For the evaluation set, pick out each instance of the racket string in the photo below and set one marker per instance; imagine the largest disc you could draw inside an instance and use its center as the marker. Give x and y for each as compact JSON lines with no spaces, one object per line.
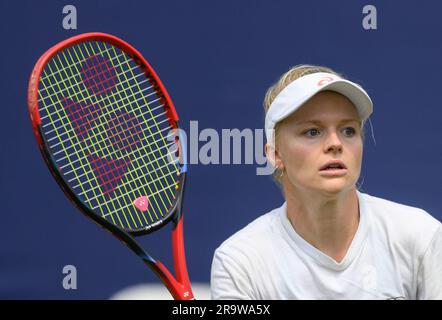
{"x":98,"y":77}
{"x":76,"y":186}
{"x":67,"y":67}
{"x":101,"y":116}
{"x":149,"y":152}
{"x":116,"y":134}
{"x":111,"y":173}
{"x":153,"y":194}
{"x":63,"y":80}
{"x":110,"y":154}
{"x":42,"y":83}
{"x":149,"y":129}
{"x":170,"y":174}
{"x":90,"y":139}
{"x":76,"y":95}
{"x":99,"y":127}
{"x":86,"y":90}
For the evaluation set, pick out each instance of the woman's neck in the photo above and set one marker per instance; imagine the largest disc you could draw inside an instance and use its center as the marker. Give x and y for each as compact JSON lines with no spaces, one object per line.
{"x":327,"y":222}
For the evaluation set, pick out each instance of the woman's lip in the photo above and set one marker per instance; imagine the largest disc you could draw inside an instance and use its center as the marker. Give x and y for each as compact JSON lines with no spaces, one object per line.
{"x":333,"y":172}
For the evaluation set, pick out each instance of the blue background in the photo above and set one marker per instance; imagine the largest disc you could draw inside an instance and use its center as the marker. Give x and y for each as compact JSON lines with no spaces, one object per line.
{"x":217,"y":58}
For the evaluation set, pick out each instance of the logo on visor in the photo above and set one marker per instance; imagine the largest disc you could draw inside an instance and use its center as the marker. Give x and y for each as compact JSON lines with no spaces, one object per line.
{"x":324,"y":81}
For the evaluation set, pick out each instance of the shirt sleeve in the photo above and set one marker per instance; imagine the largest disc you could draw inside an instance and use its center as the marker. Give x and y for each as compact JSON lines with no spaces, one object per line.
{"x":229,"y":279}
{"x":429,"y":285}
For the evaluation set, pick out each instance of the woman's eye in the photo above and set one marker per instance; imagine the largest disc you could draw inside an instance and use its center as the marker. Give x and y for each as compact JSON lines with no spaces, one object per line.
{"x":349,"y":131}
{"x":312,"y":132}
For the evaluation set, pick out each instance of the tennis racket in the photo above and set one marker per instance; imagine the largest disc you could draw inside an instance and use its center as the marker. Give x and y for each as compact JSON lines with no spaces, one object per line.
{"x":109,"y":133}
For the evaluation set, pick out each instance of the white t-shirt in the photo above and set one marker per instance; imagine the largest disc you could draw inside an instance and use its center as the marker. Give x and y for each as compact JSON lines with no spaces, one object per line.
{"x":396,"y":253}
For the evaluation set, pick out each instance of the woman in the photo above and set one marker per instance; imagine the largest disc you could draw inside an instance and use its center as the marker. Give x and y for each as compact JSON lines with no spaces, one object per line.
{"x":328,"y":240}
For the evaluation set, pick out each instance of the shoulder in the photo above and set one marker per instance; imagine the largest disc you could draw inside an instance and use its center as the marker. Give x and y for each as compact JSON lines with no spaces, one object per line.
{"x":253,"y":240}
{"x":241,"y":259}
{"x":402,"y":223}
{"x":401,"y":215}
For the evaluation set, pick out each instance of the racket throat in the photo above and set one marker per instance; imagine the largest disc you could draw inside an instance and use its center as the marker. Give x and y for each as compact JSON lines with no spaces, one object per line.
{"x":179,"y":286}
{"x":178,"y":290}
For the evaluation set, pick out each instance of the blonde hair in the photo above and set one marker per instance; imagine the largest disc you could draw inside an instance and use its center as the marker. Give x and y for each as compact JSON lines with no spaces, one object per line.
{"x":288,"y":77}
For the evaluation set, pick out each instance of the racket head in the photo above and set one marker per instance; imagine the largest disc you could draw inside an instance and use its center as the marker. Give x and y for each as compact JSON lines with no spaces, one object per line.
{"x":109,"y":132}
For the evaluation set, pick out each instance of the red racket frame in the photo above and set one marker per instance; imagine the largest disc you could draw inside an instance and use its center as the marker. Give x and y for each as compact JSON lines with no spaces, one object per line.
{"x":179,"y":287}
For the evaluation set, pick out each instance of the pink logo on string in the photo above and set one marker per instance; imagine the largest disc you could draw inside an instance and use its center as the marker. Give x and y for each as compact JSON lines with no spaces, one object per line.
{"x":141,"y":203}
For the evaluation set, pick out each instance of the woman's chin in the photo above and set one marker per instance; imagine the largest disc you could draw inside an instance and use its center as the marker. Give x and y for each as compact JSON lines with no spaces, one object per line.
{"x":335,"y":187}
{"x":327,"y":187}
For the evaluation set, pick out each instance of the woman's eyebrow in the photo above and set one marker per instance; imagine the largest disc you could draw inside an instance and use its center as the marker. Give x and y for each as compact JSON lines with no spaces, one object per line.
{"x":318,"y":122}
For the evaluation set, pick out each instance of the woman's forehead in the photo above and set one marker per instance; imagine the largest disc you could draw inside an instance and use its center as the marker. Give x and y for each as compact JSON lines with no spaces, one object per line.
{"x":326,"y":106}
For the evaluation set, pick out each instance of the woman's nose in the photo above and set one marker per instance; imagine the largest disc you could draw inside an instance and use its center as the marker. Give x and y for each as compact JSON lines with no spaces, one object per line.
{"x":333,"y":143}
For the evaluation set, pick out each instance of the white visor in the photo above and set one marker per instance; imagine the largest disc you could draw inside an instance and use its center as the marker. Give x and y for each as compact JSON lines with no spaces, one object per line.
{"x":292,"y":97}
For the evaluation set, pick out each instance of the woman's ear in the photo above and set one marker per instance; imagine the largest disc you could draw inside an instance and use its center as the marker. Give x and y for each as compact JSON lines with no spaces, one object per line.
{"x":273,"y":156}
